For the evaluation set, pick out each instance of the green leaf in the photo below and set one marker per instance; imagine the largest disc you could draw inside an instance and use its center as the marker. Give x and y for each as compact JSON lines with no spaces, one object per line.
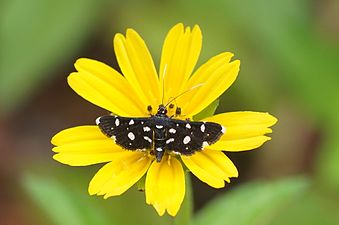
{"x":37,"y":36}
{"x":253,"y":203}
{"x":208,"y":111}
{"x":62,"y":205}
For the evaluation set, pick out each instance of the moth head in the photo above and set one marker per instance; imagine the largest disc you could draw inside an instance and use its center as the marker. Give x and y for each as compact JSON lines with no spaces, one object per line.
{"x":162,"y":110}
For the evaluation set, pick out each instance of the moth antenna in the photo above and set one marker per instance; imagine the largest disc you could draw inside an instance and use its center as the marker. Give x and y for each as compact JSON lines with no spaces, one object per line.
{"x":191,"y":89}
{"x":163,"y":85}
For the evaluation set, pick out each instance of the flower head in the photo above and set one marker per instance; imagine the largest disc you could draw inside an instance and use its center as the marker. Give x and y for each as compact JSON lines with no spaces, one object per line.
{"x":140,"y":91}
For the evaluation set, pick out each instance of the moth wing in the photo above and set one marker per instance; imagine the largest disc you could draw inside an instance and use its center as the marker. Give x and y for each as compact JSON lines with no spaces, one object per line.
{"x":129,"y":133}
{"x":186,"y":137}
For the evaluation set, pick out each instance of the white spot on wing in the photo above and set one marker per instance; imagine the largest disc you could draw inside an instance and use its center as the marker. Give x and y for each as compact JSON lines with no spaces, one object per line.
{"x":113,"y":137}
{"x":131,"y":136}
{"x":131,"y":122}
{"x":204,"y":144}
{"x":117,"y":122}
{"x":159,"y":149}
{"x":172,"y":131}
{"x":148,"y":139}
{"x":223,"y":129}
{"x":97,"y":121}
{"x":159,"y":126}
{"x":186,"y":140}
{"x":169,"y":140}
{"x":188,"y":126}
{"x":202,"y":128}
{"x":146,"y":129}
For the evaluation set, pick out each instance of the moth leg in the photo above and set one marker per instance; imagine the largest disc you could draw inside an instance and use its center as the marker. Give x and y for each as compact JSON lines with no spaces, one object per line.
{"x":170,"y":109}
{"x":177,"y":111}
{"x":149,"y":109}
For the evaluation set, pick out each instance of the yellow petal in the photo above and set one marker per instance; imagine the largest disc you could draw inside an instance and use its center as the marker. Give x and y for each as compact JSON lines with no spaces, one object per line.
{"x":212,"y":79}
{"x":137,"y":66}
{"x":243,"y":118}
{"x":83,"y":145}
{"x":165,"y":185}
{"x":83,"y":159}
{"x":102,"y":94}
{"x":240,"y":144}
{"x":75,"y":134}
{"x":180,"y":53}
{"x":211,"y":167}
{"x":111,"y":77}
{"x":89,"y":146}
{"x":119,"y":175}
{"x":244,"y":130}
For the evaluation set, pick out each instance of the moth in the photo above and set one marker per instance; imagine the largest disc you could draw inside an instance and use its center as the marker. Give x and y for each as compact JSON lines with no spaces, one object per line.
{"x":160,"y":133}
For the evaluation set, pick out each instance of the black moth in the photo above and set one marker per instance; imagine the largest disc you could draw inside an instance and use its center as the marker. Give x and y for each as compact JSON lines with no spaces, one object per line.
{"x":159,"y":133}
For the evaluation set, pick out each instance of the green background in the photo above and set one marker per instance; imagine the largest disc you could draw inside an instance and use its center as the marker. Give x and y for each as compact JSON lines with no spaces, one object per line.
{"x":289,"y":52}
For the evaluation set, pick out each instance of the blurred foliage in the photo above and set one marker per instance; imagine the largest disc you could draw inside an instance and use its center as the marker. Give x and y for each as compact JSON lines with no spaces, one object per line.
{"x":288,"y":201}
{"x":61,"y":204}
{"x":64,"y":198}
{"x":254,"y":203}
{"x":284,"y":58}
{"x":36,"y":36}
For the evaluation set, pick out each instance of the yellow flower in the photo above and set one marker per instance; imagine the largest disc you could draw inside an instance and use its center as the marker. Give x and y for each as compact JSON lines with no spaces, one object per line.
{"x":130,"y":95}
